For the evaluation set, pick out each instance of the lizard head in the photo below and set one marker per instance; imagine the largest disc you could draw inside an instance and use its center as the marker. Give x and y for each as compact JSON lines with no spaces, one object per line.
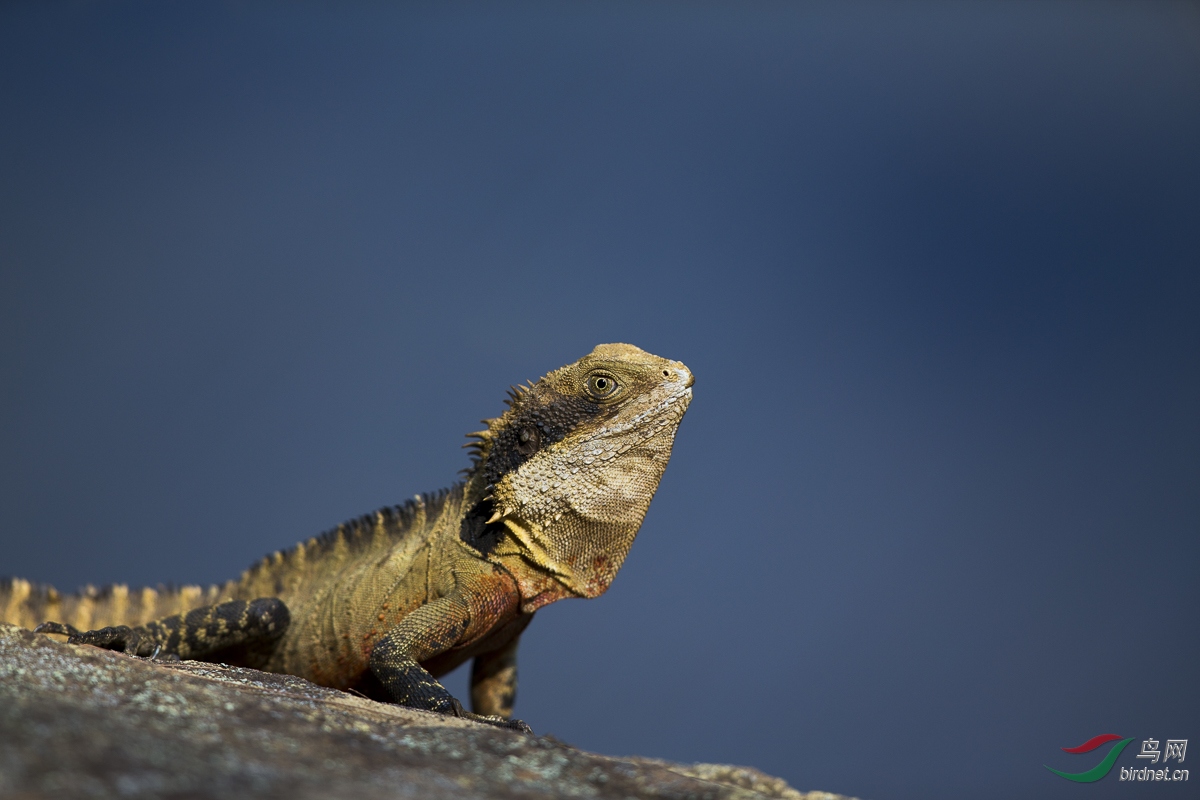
{"x":570,"y":468}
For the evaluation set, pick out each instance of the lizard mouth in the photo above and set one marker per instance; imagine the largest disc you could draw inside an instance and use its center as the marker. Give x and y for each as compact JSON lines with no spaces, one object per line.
{"x":653,"y":420}
{"x":663,"y":417}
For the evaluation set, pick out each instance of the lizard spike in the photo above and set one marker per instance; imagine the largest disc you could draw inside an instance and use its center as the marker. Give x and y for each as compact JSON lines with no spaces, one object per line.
{"x":494,"y":518}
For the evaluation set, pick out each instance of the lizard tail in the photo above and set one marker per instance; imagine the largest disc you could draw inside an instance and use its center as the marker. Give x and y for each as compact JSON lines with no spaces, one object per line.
{"x":28,"y":604}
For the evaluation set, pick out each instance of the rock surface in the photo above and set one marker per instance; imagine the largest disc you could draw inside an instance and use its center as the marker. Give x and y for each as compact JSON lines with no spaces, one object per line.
{"x":76,"y":721}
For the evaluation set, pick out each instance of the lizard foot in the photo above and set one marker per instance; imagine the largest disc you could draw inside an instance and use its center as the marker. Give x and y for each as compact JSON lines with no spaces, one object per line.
{"x":490,"y":719}
{"x":120,"y":637}
{"x":500,"y":722}
{"x":56,"y":627}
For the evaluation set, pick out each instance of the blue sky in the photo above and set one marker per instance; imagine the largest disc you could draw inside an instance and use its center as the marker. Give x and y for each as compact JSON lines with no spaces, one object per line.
{"x":933,"y":512}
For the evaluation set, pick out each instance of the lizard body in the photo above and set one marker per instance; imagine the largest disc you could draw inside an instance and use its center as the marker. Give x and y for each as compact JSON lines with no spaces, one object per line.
{"x":384,"y":604}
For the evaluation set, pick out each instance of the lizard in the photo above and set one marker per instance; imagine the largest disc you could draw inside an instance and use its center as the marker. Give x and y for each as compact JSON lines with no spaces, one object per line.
{"x":385,"y":604}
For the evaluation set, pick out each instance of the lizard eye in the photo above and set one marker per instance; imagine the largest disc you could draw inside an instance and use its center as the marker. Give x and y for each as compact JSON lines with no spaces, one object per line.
{"x":602,"y":386}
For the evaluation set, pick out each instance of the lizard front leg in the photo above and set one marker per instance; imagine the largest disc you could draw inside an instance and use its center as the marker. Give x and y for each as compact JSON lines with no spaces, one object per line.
{"x":202,"y":632}
{"x":455,"y":620}
{"x":429,"y":631}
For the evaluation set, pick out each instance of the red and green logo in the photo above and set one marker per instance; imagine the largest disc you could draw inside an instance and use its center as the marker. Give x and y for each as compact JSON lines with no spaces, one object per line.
{"x":1100,"y":770}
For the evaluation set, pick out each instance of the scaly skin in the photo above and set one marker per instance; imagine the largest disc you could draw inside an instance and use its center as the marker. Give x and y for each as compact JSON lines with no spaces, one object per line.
{"x":386,"y":603}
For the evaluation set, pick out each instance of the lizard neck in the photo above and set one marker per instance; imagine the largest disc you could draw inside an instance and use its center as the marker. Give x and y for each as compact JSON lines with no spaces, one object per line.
{"x":513,"y":544}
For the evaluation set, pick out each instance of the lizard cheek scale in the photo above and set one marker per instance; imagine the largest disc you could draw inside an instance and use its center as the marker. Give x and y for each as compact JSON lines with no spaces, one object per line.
{"x":384,"y":604}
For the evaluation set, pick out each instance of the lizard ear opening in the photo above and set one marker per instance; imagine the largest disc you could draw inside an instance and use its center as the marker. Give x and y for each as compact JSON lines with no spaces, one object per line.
{"x":528,"y":440}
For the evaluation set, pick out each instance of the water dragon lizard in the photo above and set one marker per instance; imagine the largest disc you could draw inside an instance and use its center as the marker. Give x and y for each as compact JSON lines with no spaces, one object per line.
{"x":384,"y":604}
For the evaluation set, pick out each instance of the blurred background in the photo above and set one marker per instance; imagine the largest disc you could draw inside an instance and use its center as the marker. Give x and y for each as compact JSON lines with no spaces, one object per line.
{"x":934,"y":511}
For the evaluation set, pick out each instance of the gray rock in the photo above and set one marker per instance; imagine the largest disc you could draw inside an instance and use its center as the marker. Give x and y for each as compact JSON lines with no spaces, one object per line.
{"x":77,"y":721}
